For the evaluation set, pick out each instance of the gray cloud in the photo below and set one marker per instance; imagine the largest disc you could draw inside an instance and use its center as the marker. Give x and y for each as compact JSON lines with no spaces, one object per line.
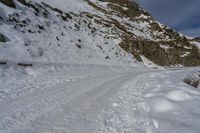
{"x":183,"y":15}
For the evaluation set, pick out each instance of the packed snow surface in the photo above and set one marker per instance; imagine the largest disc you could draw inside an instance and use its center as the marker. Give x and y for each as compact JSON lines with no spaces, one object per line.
{"x":58,"y":98}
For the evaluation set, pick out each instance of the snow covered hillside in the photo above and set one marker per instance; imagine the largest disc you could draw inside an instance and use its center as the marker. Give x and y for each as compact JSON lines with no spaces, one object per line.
{"x":88,"y":31}
{"x":57,"y":31}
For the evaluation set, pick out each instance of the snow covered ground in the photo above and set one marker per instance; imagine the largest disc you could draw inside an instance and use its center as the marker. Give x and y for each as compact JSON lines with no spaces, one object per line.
{"x":60,"y":98}
{"x":84,"y":91}
{"x":156,"y":102}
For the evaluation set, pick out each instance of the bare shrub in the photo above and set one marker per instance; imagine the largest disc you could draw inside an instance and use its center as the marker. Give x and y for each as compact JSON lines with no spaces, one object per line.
{"x":192,"y":79}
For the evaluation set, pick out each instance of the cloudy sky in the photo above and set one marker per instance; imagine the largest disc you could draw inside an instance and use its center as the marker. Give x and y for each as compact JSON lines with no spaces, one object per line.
{"x":182,"y":15}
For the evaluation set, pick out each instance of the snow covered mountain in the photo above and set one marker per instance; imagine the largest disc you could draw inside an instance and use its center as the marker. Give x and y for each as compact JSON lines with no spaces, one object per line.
{"x":85,"y":77}
{"x":89,"y":31}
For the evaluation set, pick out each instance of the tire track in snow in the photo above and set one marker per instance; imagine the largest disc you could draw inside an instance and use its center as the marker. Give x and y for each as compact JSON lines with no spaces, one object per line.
{"x":80,"y":114}
{"x":28,"y":108}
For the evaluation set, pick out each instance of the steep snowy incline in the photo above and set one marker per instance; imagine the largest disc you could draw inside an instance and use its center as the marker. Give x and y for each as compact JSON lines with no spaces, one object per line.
{"x":58,"y":31}
{"x":89,"y":32}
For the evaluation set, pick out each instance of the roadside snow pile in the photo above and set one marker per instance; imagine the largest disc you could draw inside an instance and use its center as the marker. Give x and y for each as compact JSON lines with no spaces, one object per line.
{"x":154,"y":103}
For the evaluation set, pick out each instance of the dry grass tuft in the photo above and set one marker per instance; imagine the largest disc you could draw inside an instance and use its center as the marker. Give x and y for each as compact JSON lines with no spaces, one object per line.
{"x":192,"y":80}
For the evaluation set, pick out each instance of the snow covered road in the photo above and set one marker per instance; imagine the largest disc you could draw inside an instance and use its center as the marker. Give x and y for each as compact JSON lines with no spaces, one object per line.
{"x":74,"y":103}
{"x":107,"y":100}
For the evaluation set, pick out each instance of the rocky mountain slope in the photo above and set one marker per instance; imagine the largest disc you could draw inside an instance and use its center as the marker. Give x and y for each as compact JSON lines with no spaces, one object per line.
{"x":89,"y":31}
{"x":197,"y":39}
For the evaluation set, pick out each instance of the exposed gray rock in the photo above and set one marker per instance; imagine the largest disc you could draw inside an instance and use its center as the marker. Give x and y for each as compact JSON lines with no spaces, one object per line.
{"x":3,"y":38}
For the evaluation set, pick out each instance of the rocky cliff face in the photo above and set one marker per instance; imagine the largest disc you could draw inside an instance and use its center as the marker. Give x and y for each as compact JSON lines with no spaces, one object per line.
{"x":90,"y":31}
